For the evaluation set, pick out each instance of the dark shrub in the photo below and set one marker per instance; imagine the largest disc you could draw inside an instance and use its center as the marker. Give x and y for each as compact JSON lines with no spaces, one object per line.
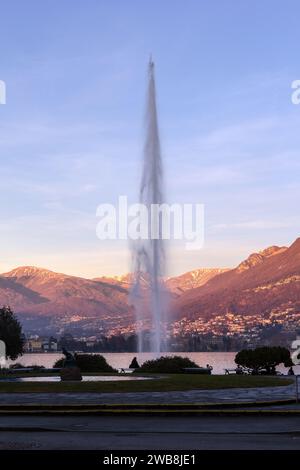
{"x":11,"y":333}
{"x":17,"y":365}
{"x":59,"y":363}
{"x":134,"y":364}
{"x":167,"y":364}
{"x":263,"y":359}
{"x":89,"y":363}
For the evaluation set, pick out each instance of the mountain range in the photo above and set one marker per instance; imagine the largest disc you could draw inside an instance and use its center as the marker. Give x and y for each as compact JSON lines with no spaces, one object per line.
{"x":265,"y":282}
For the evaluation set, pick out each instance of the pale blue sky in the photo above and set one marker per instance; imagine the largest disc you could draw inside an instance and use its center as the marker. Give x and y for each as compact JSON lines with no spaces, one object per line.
{"x":71,"y":132}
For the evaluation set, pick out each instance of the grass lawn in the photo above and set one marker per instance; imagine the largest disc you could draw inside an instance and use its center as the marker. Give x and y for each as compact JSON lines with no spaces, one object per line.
{"x":161,"y":383}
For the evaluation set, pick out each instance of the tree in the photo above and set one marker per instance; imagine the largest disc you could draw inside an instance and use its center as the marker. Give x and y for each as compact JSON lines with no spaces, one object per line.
{"x":264,"y":358}
{"x":88,"y":363}
{"x":11,"y":333}
{"x":167,"y":364}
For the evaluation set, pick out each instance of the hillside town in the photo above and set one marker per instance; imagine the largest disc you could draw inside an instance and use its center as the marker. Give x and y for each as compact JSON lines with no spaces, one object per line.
{"x":227,"y":332}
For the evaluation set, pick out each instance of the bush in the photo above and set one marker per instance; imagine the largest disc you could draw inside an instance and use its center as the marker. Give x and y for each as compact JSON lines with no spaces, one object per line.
{"x":263,"y":359}
{"x":89,"y":363}
{"x":59,"y":363}
{"x":17,"y":365}
{"x":11,"y":333}
{"x":167,"y":364}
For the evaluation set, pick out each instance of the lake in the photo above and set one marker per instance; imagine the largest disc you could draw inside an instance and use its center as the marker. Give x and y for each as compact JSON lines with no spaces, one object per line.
{"x":219,"y":360}
{"x":85,"y":378}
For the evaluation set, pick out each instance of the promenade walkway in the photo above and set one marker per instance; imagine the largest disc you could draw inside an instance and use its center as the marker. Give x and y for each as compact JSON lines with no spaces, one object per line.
{"x":237,"y":395}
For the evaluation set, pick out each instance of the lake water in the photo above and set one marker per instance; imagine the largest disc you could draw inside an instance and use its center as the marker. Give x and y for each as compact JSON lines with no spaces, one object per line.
{"x":219,"y":360}
{"x":85,"y":378}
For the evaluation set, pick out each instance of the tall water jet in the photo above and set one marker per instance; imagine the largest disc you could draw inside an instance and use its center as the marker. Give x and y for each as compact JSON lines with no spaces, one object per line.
{"x":149,"y":254}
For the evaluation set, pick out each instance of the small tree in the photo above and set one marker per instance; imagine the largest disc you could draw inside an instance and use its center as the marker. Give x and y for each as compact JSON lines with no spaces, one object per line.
{"x":88,"y":363}
{"x":266,"y":358}
{"x":167,"y":364}
{"x":11,"y":333}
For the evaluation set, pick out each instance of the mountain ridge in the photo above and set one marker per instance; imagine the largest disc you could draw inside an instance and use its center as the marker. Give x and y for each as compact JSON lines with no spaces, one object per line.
{"x":243,"y":289}
{"x":264,"y":281}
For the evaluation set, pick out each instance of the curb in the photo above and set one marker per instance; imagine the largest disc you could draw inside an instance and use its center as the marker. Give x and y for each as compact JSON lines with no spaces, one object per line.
{"x":151,"y":409}
{"x":154,"y":413}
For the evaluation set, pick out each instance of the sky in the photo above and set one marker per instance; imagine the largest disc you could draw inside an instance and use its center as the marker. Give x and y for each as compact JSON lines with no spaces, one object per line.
{"x":71,"y":131}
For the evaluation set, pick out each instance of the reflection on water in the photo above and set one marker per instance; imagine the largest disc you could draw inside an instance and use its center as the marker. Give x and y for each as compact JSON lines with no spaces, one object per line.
{"x":219,"y":360}
{"x":85,"y":378}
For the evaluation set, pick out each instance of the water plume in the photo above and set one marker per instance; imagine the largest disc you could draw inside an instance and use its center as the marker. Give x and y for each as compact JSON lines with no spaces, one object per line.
{"x":149,"y":255}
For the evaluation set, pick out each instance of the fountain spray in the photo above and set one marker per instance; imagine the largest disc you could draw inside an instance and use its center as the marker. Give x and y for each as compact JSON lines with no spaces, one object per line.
{"x":149,"y":255}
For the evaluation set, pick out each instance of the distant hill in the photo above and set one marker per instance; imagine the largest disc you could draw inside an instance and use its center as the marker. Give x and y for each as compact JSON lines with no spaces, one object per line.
{"x":264,"y":281}
{"x":192,"y":279}
{"x":44,"y":292}
{"x":267,"y":280}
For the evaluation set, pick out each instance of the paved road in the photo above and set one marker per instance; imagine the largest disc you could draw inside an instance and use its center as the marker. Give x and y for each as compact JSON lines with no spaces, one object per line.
{"x":109,"y":433}
{"x":239,"y":395}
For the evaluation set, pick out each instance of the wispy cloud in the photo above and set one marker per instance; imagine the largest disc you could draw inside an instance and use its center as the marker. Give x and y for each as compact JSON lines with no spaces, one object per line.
{"x":258,"y":224}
